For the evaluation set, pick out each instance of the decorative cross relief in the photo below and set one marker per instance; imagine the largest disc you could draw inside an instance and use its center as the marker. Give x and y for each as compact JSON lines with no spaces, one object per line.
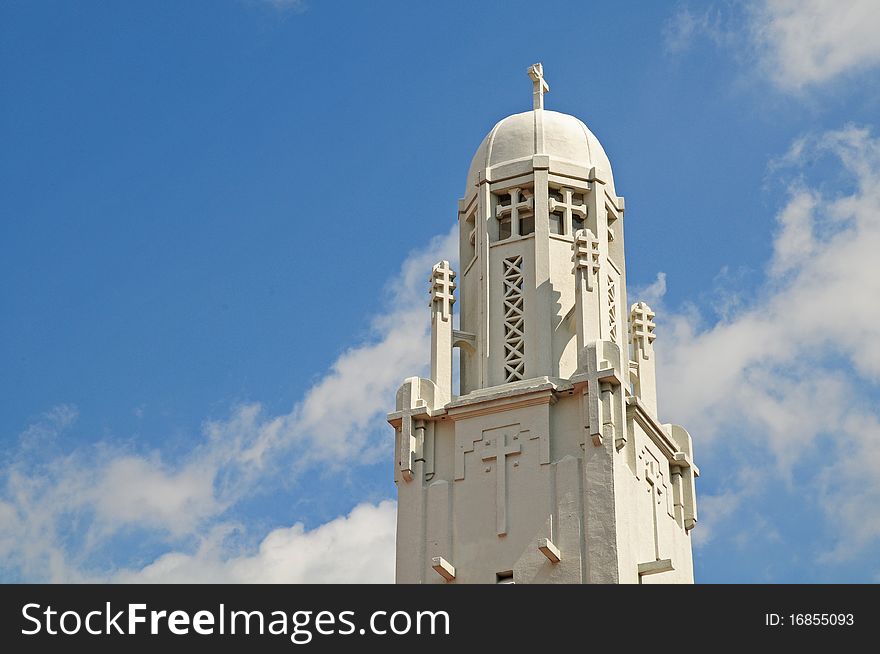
{"x":540,"y":86}
{"x":412,"y":435}
{"x":650,"y":467}
{"x":587,"y":264}
{"x":498,"y":449}
{"x":600,"y":411}
{"x":568,"y":208}
{"x":586,"y":255}
{"x":442,"y":286}
{"x":465,"y":442}
{"x":414,"y":401}
{"x":599,"y":396}
{"x":642,"y":325}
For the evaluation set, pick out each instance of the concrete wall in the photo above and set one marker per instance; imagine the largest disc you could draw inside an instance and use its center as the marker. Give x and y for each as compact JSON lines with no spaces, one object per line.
{"x":454,"y":512}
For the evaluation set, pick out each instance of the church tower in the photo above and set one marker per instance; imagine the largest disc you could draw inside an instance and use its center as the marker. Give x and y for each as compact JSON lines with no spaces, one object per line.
{"x":550,"y":464}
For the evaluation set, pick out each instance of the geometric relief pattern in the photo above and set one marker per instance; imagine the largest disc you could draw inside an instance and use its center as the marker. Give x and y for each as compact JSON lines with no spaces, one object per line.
{"x":641,"y":320}
{"x":653,"y":472}
{"x":656,"y":487}
{"x":514,"y":336}
{"x":612,"y":309}
{"x":586,"y":255}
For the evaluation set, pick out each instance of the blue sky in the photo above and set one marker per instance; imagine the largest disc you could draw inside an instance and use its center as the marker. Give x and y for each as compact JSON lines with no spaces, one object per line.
{"x":218,"y":219}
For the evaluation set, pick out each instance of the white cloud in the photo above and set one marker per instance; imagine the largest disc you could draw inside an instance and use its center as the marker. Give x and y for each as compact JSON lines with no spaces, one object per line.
{"x":135,"y":490}
{"x":785,"y":373}
{"x":357,"y":548}
{"x":55,"y":513}
{"x":340,"y":415}
{"x":796,"y":241}
{"x":652,"y":294}
{"x":799,"y":367}
{"x":808,"y":42}
{"x":58,"y":507}
{"x":42,"y":433}
{"x":685,"y":26}
{"x":796,"y":44}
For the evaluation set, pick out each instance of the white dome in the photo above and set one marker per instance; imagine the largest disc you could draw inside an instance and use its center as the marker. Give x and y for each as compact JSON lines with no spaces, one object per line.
{"x":565,"y":137}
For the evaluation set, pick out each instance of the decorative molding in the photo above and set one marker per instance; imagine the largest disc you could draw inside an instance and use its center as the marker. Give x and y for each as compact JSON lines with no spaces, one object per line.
{"x":655,"y":567}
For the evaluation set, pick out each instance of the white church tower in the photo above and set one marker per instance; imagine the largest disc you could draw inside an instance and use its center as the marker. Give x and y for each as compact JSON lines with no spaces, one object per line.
{"x":550,"y":464}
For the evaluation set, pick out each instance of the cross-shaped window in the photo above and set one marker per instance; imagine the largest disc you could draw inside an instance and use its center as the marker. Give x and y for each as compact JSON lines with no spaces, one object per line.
{"x":515,"y":213}
{"x":567,"y":211}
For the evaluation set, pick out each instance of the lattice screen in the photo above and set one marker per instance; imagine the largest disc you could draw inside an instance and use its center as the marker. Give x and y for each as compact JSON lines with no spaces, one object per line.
{"x":514,"y":337}
{"x":612,"y":309}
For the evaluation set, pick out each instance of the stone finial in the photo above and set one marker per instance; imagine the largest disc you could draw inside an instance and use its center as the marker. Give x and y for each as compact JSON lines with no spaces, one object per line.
{"x":642,"y":329}
{"x":587,"y":263}
{"x":540,"y":86}
{"x":641,"y":321}
{"x":442,"y":286}
{"x":442,"y":298}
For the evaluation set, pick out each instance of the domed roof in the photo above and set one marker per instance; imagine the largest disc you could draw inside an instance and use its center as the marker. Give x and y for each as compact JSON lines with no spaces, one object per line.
{"x":565,"y":137}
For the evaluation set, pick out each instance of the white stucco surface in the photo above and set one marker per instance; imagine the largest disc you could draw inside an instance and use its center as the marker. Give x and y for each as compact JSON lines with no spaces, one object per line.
{"x":548,"y":463}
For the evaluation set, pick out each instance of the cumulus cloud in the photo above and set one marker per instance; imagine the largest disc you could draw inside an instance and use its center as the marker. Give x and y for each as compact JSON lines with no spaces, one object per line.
{"x":57,"y":509}
{"x":133,"y":489}
{"x":343,"y":411}
{"x":794,"y":374}
{"x":357,"y":548}
{"x":652,"y":293}
{"x":58,"y":506}
{"x":785,"y":373}
{"x":807,"y":42}
{"x":796,"y":44}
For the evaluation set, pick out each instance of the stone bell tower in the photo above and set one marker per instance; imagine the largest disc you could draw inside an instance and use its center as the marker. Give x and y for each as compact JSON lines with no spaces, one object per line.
{"x":550,"y":464}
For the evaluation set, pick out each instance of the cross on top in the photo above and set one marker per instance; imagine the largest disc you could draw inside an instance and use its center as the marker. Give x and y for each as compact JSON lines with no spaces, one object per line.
{"x":641,"y":320}
{"x":442,"y":285}
{"x":540,"y":86}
